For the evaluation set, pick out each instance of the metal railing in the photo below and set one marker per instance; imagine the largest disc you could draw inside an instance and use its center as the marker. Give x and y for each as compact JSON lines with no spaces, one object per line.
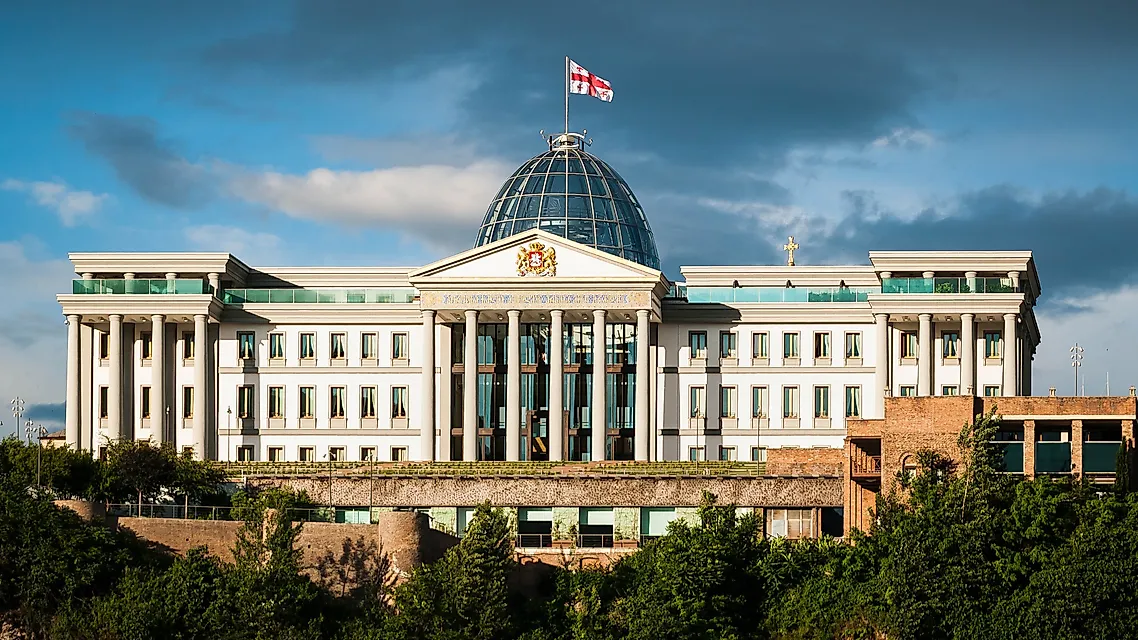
{"x":318,"y":296}
{"x":199,"y":512}
{"x":596,"y":540}
{"x":534,"y":540}
{"x":140,"y":286}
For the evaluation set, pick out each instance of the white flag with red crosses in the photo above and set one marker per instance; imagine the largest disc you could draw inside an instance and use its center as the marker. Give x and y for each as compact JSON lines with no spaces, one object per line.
{"x":581,"y":81}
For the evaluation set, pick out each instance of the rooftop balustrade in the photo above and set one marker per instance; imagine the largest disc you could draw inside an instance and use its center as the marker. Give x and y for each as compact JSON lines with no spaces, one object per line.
{"x":318,"y":296}
{"x":141,"y":286}
{"x":947,"y":285}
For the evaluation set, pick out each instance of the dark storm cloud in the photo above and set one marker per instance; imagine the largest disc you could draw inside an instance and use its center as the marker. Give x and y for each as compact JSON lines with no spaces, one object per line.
{"x":141,"y":159}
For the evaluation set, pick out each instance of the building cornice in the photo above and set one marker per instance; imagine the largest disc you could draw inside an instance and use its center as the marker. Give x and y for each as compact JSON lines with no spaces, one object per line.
{"x":174,"y":306}
{"x":160,"y":263}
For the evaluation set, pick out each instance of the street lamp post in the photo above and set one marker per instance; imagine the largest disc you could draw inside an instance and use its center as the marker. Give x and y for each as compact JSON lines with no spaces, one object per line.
{"x":1076,"y":363}
{"x":228,"y":428}
{"x":18,"y":413}
{"x":39,"y":431}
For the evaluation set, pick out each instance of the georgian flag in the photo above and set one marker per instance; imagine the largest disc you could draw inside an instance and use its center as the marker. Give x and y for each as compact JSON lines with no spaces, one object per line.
{"x":581,"y":81}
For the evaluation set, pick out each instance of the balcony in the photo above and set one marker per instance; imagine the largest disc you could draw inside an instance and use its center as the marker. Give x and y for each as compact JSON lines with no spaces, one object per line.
{"x":141,"y":287}
{"x":777,"y":294}
{"x":1100,"y":457}
{"x":1053,"y":457}
{"x":318,"y":296}
{"x":947,"y":285}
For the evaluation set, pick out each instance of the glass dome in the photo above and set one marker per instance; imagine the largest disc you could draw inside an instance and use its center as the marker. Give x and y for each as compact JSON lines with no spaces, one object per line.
{"x":571,"y":193}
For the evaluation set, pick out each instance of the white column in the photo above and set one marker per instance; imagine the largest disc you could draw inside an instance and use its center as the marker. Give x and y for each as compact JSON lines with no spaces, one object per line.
{"x":643,"y":373}
{"x":1014,"y":277}
{"x":158,"y":379}
{"x":201,"y":359}
{"x":74,"y":400}
{"x":170,"y":282}
{"x":1009,"y":386}
{"x":881,"y":360}
{"x":970,"y":277}
{"x":214,"y":283}
{"x":925,"y":355}
{"x":114,"y":386}
{"x":513,"y":385}
{"x":600,"y":423}
{"x":470,"y":389}
{"x":556,"y":382}
{"x":427,"y":404}
{"x":967,"y":354}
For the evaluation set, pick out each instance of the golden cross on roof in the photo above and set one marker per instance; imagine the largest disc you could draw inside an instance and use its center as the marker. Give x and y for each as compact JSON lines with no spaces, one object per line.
{"x":789,"y":248}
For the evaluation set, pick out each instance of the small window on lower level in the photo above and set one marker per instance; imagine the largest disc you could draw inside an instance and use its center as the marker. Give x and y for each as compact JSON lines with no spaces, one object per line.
{"x":336,"y":454}
{"x":307,"y":454}
{"x":276,"y":454}
{"x":367,"y":454}
{"x":908,"y":390}
{"x":991,"y":390}
{"x":790,"y":523}
{"x":950,"y":390}
{"x":398,"y":454}
{"x":727,"y":454}
{"x":695,"y":454}
{"x":245,"y":453}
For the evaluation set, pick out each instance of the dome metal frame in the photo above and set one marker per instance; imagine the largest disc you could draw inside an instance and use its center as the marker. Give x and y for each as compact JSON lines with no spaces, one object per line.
{"x":571,"y":193}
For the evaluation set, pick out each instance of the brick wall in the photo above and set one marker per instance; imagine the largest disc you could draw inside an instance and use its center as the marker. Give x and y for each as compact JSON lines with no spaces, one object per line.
{"x":805,"y":462}
{"x":580,"y":491}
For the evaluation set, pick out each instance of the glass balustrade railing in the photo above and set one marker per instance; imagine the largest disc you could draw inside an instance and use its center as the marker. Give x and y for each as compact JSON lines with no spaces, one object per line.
{"x":777,"y":294}
{"x":947,"y":285}
{"x":140,"y":286}
{"x":318,"y":296}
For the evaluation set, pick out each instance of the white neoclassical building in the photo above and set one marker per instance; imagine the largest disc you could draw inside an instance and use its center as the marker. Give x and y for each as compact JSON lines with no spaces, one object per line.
{"x":497,"y":353}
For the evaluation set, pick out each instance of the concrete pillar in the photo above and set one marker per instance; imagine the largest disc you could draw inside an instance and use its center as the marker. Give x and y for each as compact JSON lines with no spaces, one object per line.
{"x":114,"y":386}
{"x":970,"y":278}
{"x":925,"y":355}
{"x":513,"y":385}
{"x":556,"y":384}
{"x":881,"y":361}
{"x":1009,"y":364}
{"x":599,"y":418}
{"x":967,"y":354}
{"x":427,"y":399}
{"x":170,"y":282}
{"x":74,"y":400}
{"x":470,"y":389}
{"x":1077,"y":447}
{"x":158,"y":379}
{"x":643,"y":380}
{"x":201,"y":360}
{"x":214,"y":283}
{"x":1029,"y":448}
{"x":1014,"y":277}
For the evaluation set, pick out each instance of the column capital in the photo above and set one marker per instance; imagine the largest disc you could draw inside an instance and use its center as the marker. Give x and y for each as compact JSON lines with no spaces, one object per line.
{"x":878,"y":317}
{"x":968,"y":315}
{"x":129,"y":275}
{"x":74,"y":318}
{"x":599,"y":314}
{"x":471,"y":314}
{"x":514,"y":313}
{"x":158,"y":317}
{"x":427,"y":313}
{"x":924,"y":316}
{"x":970,"y":274}
{"x":642,"y":313}
{"x":928,"y":275}
{"x":556,"y":313}
{"x":201,"y":317}
{"x":87,"y":276}
{"x":171,"y":276}
{"x":885,"y":275}
{"x":115,"y":317}
{"x":1010,"y":316}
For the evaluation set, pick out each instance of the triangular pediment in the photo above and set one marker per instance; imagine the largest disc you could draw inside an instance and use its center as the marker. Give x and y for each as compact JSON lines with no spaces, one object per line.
{"x":534,"y":255}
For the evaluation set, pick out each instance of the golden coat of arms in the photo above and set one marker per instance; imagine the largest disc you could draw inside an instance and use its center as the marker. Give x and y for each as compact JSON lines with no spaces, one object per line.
{"x":537,"y":259}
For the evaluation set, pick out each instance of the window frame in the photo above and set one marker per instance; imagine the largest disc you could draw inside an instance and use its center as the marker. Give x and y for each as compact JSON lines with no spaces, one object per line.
{"x":188,"y":346}
{"x":277,"y":344}
{"x":791,"y":344}
{"x":697,"y":399}
{"x":341,"y":353}
{"x":856,"y":389}
{"x":823,"y":349}
{"x":369,"y":339}
{"x":396,"y":338}
{"x":910,"y":348}
{"x":402,"y":453}
{"x":246,"y":402}
{"x":308,"y":338}
{"x":696,"y":453}
{"x":246,"y":339}
{"x":791,"y":402}
{"x":728,"y":401}
{"x":945,"y":387}
{"x":395,"y":403}
{"x":275,"y":453}
{"x":144,"y":402}
{"x":993,"y":341}
{"x":945,"y":345}
{"x":337,"y":453}
{"x":333,"y":410}
{"x":761,"y":345}
{"x":697,"y":351}
{"x":367,"y":449}
{"x":822,"y":401}
{"x":279,"y":392}
{"x":853,"y":345}
{"x":104,"y":346}
{"x":187,"y":402}
{"x":908,"y":391}
{"x":374,"y":402}
{"x":310,"y":450}
{"x":306,"y":395}
{"x":728,"y":453}
{"x":146,"y":345}
{"x":728,"y":345}
{"x":994,"y":388}
{"x":761,"y":393}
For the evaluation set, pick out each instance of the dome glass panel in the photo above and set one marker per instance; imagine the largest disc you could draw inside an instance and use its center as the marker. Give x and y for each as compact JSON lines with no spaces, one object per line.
{"x":572,"y":193}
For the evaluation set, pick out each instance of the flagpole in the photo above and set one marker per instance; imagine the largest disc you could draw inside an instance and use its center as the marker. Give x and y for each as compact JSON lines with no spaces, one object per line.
{"x":566,"y":94}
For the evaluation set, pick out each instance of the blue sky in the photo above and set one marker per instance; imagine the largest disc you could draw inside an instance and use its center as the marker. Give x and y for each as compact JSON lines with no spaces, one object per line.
{"x":339,"y":132}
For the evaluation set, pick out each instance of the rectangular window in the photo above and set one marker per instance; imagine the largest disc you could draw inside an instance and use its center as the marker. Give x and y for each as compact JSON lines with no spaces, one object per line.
{"x":991,"y":344}
{"x":727,"y":345}
{"x":727,"y":402}
{"x":188,"y":346}
{"x":822,"y":402}
{"x":726,"y":454}
{"x":790,"y":402}
{"x":367,"y":454}
{"x":307,"y":403}
{"x":399,"y":346}
{"x":146,"y":345}
{"x":853,"y":345}
{"x":336,"y":454}
{"x":853,"y":402}
{"x":908,"y":391}
{"x":908,"y":344}
{"x":245,"y":401}
{"x":695,"y":454}
{"x":398,"y":454}
{"x":367,"y":402}
{"x":760,"y":345}
{"x":308,"y":346}
{"x":245,"y":453}
{"x":950,"y":390}
{"x":276,"y":454}
{"x":398,"y":402}
{"x":991,"y":390}
{"x":950,"y":341}
{"x":144,"y":402}
{"x":697,"y":344}
{"x":336,"y":402}
{"x":367,"y":346}
{"x":339,"y":346}
{"x":246,"y":345}
{"x":104,"y":401}
{"x":758,"y":454}
{"x":790,"y":523}
{"x":104,"y":346}
{"x":276,"y":346}
{"x":308,"y":454}
{"x":698,"y":402}
{"x":187,"y":402}
{"x":790,"y":345}
{"x":276,"y":402}
{"x":822,"y":345}
{"x":759,"y":400}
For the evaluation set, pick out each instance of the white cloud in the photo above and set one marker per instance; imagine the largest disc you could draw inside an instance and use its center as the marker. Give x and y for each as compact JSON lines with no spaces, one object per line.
{"x":436,"y":203}
{"x":906,"y":138}
{"x":257,"y":248}
{"x":1102,"y":325}
{"x":33,"y":337}
{"x":69,"y":204}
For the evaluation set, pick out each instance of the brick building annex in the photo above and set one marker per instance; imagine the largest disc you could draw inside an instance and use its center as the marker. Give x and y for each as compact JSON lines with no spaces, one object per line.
{"x":554,"y":369}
